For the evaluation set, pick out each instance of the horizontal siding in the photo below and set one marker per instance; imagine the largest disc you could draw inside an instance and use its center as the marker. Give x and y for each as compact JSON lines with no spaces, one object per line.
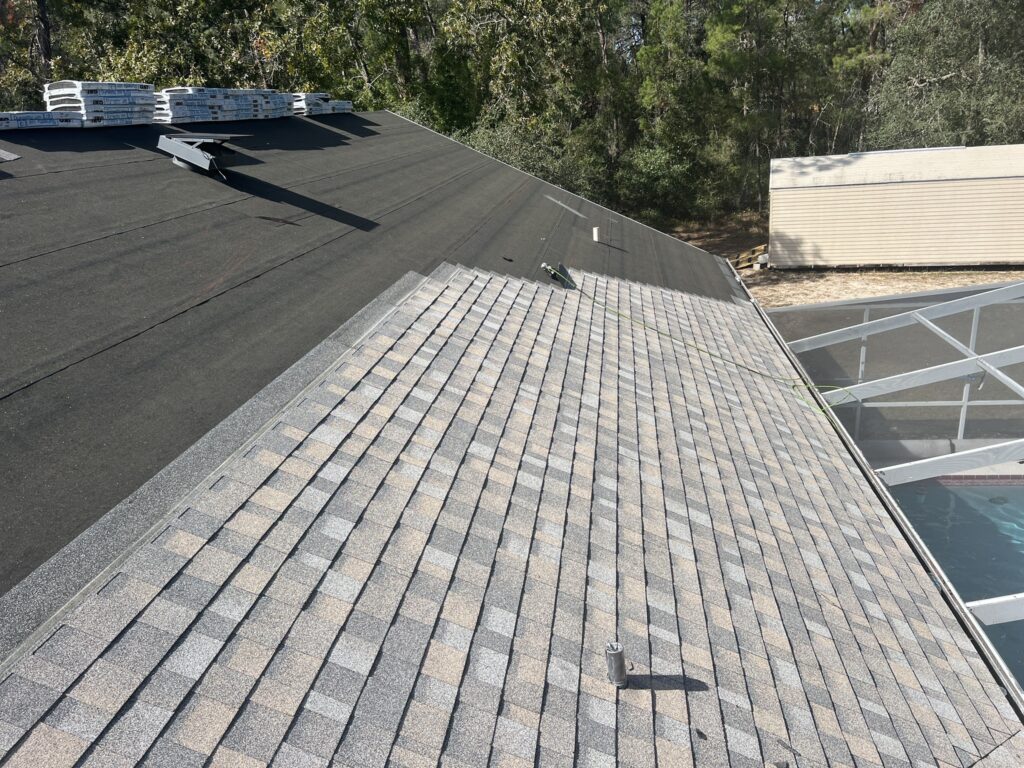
{"x":973,"y":221}
{"x":898,"y":167}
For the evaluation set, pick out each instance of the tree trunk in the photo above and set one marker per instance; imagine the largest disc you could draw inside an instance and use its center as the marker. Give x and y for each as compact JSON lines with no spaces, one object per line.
{"x":43,"y":39}
{"x":430,"y":20}
{"x":420,"y":61}
{"x":357,"y":49}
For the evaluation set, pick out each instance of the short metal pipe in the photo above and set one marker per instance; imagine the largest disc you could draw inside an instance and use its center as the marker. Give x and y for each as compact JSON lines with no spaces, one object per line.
{"x":616,"y":659}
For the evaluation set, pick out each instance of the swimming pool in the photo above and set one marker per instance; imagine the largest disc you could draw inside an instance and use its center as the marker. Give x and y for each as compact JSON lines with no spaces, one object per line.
{"x":975,"y":530}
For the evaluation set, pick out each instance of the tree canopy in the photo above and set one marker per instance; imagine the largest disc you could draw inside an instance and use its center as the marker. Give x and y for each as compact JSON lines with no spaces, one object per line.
{"x":667,"y":109}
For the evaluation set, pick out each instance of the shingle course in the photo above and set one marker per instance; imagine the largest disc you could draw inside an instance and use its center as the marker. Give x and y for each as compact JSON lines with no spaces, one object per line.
{"x":422,"y":561}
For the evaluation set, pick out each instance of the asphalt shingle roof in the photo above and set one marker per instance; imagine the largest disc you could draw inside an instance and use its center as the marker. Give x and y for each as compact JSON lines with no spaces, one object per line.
{"x":421,"y":560}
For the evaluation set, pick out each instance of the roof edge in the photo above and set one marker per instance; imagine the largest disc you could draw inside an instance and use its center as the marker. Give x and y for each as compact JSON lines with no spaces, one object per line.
{"x":987,"y":651}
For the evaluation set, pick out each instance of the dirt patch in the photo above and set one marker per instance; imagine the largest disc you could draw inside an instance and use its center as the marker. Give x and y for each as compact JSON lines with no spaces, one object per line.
{"x":728,"y":237}
{"x":783,"y":287}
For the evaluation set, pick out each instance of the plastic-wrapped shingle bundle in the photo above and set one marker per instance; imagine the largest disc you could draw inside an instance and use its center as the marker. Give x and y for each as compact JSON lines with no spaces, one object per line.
{"x":257,"y":103}
{"x":102,"y":103}
{"x":278,"y":105}
{"x":241,"y":103}
{"x":192,"y":104}
{"x":311,"y":103}
{"x":188,"y":104}
{"x":319,"y":104}
{"x":14,"y":120}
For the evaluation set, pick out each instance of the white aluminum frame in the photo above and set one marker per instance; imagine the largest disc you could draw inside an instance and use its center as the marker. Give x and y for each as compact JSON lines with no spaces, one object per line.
{"x":998,"y":610}
{"x":972,"y":364}
{"x":961,"y":461}
{"x":862,"y":330}
{"x":944,"y":372}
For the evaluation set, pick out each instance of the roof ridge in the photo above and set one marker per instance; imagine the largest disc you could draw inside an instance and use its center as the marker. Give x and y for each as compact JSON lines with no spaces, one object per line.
{"x":639,"y":283}
{"x":445,"y":271}
{"x":514,"y":279}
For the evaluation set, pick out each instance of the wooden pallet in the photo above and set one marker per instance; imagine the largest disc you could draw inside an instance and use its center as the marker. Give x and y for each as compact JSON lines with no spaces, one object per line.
{"x":748,"y":259}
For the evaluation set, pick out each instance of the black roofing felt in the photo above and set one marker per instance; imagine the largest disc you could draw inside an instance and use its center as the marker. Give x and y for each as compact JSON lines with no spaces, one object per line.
{"x":140,"y":303}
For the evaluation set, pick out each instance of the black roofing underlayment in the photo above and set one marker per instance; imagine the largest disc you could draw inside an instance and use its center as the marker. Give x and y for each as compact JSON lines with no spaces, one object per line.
{"x":141,"y":303}
{"x":458,"y":497}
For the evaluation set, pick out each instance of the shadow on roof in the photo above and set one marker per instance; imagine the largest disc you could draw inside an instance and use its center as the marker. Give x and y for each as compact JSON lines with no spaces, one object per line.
{"x":357,"y":125}
{"x":267,"y":191}
{"x":812,"y":166}
{"x":666,"y":683}
{"x":286,"y":134}
{"x":318,"y":132}
{"x":122,"y":138}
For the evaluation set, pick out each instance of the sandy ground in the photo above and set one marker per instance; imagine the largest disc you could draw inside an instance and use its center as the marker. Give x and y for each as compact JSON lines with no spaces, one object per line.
{"x":782,"y":288}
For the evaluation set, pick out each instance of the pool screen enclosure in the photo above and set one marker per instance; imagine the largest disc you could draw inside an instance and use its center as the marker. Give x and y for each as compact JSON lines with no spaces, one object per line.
{"x":970,"y":371}
{"x":929,"y":386}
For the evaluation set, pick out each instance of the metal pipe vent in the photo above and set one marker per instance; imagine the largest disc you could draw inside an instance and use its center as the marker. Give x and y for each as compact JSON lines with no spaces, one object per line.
{"x":616,"y":658}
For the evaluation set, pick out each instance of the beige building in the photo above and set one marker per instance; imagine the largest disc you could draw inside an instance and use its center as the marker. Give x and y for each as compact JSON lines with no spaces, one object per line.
{"x":917,"y":207}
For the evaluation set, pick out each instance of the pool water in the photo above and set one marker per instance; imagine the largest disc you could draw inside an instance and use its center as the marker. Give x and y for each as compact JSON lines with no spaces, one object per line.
{"x":976,"y":533}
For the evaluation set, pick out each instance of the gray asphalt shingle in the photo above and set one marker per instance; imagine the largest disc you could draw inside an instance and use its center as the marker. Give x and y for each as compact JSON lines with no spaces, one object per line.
{"x":423,"y":558}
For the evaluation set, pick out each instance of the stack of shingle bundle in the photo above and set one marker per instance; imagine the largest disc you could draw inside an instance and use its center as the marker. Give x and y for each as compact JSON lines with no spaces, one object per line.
{"x":240,"y":103}
{"x":100,"y":104}
{"x":191,"y":104}
{"x":276,"y":104}
{"x":257,"y":103}
{"x":319,"y":104}
{"x":310,"y":103}
{"x":188,"y":104}
{"x":13,"y":120}
{"x":336,"y":106}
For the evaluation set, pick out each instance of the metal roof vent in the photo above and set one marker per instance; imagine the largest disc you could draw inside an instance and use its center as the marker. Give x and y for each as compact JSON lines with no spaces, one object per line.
{"x":615,"y":656}
{"x":200,"y":151}
{"x":560,"y":274}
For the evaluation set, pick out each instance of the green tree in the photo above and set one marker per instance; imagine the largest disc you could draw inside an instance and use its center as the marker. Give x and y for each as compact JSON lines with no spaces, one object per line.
{"x":956,"y":77}
{"x":21,"y":69}
{"x":662,"y":108}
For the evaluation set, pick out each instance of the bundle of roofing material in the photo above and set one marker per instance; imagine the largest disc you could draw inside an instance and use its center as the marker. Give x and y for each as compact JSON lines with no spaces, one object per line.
{"x":336,"y":106}
{"x":319,"y":104}
{"x":187,"y":104}
{"x":102,"y":103}
{"x":266,"y":103}
{"x":13,"y":120}
{"x":310,"y":103}
{"x":193,"y":105}
{"x":183,"y":105}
